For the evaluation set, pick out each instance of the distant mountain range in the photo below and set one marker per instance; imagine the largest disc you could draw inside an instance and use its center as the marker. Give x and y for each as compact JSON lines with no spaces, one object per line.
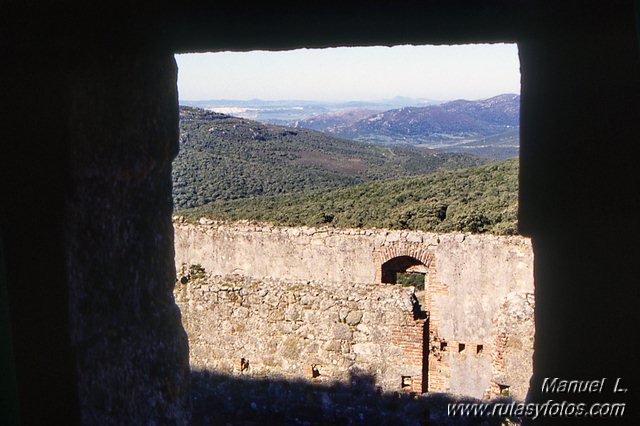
{"x":334,"y":122}
{"x":224,"y":158}
{"x":487,"y":127}
{"x":287,"y":111}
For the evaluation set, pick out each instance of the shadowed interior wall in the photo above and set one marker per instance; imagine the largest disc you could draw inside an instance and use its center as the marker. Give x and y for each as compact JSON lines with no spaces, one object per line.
{"x":580,"y":123}
{"x":125,"y":326}
{"x":96,"y":333}
{"x":579,"y":126}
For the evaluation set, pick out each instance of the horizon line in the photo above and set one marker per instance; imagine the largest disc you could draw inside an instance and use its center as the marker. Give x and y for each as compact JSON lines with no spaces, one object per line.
{"x":344,"y":101}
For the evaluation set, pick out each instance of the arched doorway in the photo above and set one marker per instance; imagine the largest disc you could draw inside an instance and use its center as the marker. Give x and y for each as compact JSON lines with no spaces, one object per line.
{"x":403,"y":270}
{"x":409,"y":271}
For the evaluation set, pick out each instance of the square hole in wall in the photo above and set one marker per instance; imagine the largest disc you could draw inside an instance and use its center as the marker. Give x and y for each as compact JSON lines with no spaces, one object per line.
{"x":407,"y":383}
{"x":443,"y":346}
{"x":479,"y":349}
{"x":244,"y":364}
{"x":504,"y":390}
{"x":461,"y":347}
{"x":315,"y":372}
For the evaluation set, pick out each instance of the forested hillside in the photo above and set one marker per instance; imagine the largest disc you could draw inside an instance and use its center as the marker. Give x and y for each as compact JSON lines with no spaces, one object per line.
{"x":226,"y":158}
{"x":477,"y":199}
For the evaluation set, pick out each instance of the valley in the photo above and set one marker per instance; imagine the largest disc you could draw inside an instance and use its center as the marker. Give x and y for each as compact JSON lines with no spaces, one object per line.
{"x":485,"y":127}
{"x":225,"y":158}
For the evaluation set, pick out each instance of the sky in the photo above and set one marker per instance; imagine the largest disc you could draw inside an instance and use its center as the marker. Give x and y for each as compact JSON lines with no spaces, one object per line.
{"x":352,"y":73}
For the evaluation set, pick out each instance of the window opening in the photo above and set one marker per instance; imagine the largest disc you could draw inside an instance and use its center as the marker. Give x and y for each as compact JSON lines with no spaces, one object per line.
{"x":237,"y":168}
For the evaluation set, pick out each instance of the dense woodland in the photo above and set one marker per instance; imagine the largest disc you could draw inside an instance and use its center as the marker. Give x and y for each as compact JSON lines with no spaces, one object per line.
{"x":476,"y":199}
{"x":227,"y":158}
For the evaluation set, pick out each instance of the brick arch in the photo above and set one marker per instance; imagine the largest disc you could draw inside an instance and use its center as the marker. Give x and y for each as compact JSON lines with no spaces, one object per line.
{"x":386,"y":253}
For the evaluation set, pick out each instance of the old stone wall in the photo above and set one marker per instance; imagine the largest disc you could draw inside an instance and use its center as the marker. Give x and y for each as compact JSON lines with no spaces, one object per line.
{"x":287,"y":329}
{"x":305,"y":298}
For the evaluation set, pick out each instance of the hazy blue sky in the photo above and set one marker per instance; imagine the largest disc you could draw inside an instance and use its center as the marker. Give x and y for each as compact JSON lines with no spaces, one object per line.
{"x":352,"y":73}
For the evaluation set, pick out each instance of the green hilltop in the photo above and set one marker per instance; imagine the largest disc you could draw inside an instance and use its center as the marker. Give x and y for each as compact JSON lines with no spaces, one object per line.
{"x":225,"y":158}
{"x":476,"y":199}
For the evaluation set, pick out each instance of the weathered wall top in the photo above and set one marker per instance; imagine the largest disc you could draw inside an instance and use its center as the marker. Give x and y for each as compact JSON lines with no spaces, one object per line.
{"x":262,"y":250}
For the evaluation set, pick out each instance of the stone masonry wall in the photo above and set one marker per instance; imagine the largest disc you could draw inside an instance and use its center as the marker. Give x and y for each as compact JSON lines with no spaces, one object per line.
{"x":478,"y":303}
{"x":283,"y":329}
